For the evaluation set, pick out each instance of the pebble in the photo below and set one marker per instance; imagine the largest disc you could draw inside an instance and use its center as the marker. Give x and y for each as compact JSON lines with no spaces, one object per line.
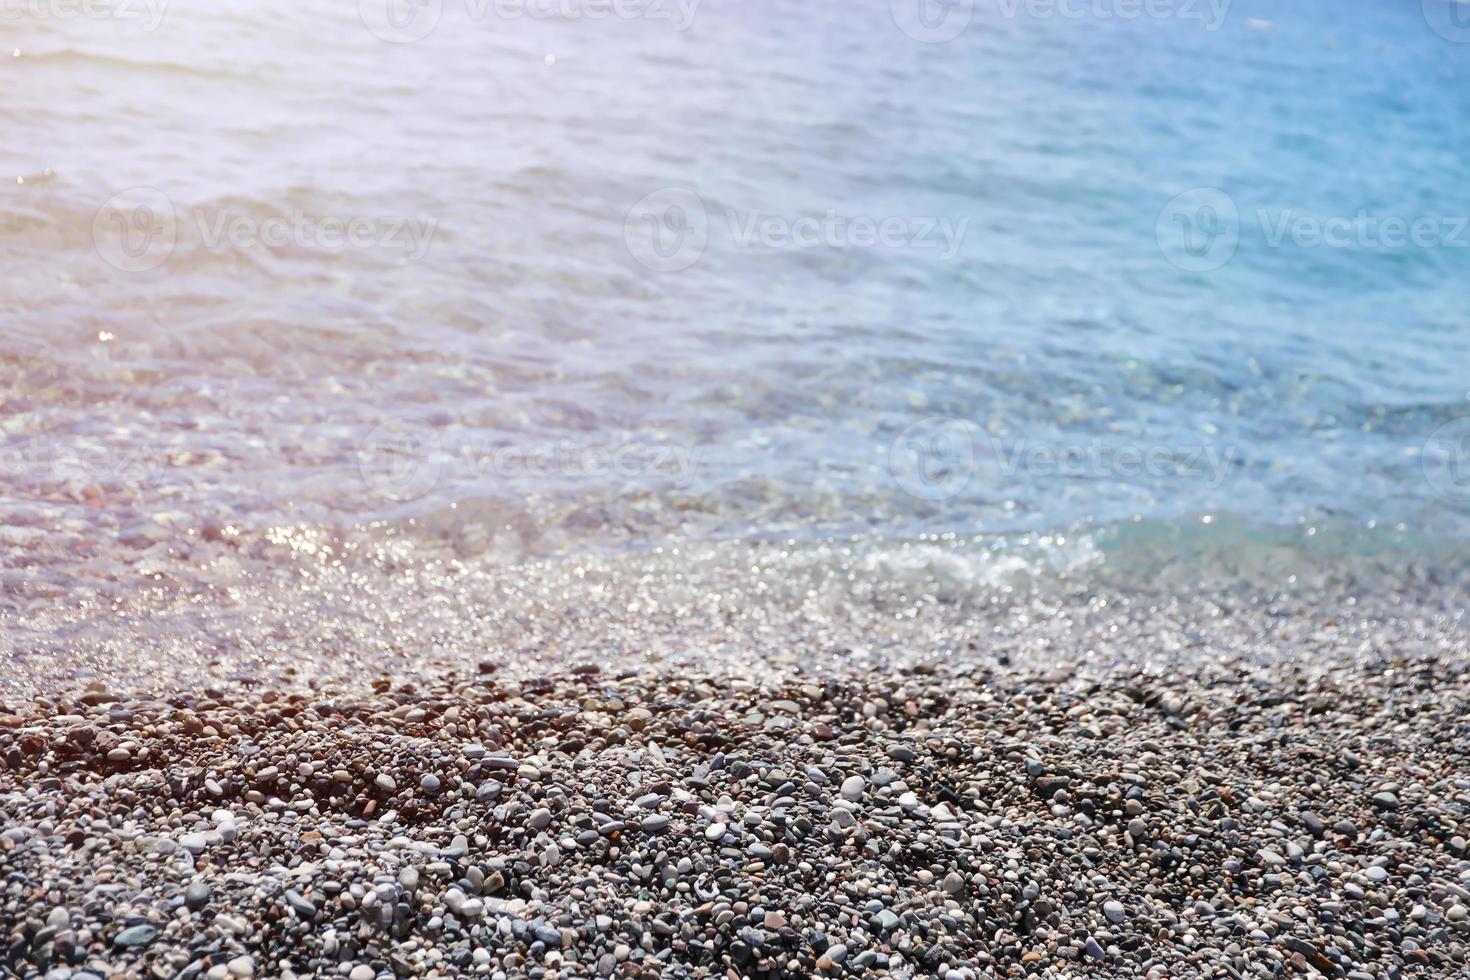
{"x":299,"y":904}
{"x":196,"y":896}
{"x":835,"y":955}
{"x":885,"y":921}
{"x":911,"y":830}
{"x":135,"y":936}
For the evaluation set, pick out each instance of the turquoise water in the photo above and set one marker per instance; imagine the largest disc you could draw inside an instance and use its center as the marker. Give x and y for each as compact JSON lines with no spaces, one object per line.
{"x":776,"y":270}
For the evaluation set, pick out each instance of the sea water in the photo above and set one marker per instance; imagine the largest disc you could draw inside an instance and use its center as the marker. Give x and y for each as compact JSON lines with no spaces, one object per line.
{"x":1082,"y":284}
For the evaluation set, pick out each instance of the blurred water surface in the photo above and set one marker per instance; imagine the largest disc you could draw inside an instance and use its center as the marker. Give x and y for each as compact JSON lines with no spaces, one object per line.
{"x":566,"y":284}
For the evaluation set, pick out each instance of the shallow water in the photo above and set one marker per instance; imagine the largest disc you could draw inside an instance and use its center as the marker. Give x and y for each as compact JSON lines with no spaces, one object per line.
{"x":696,"y":275}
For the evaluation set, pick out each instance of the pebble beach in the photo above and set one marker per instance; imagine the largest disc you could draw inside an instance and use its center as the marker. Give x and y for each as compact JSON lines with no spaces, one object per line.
{"x":663,"y":489}
{"x":1002,"y":814}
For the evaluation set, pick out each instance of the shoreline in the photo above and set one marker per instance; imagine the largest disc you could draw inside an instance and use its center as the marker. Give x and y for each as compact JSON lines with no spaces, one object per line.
{"x":321,"y":619}
{"x":935,"y":820}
